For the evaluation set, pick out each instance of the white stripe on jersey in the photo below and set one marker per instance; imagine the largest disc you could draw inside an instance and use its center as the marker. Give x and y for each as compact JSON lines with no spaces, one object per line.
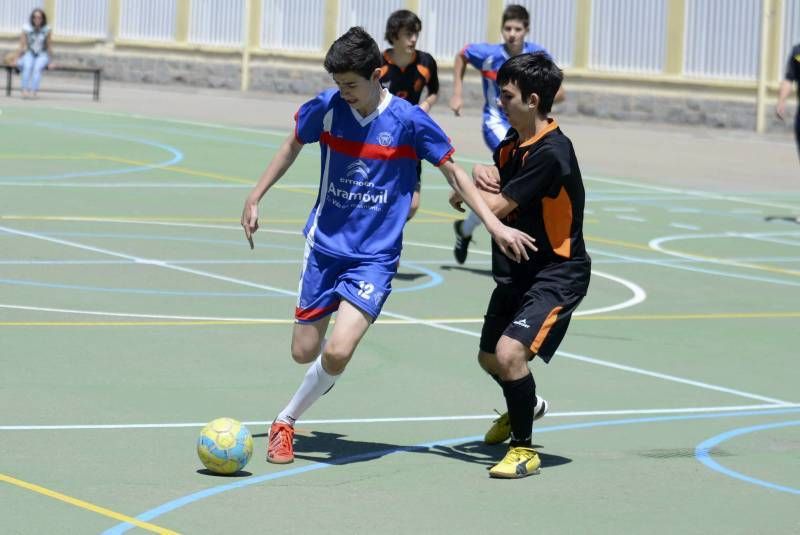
{"x":495,"y":120}
{"x":327,"y":121}
{"x":306,"y":253}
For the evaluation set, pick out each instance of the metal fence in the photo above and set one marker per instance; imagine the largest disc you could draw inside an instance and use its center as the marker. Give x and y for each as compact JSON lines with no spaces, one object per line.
{"x":370,"y":14}
{"x":721,"y":38}
{"x":14,"y":14}
{"x":552,"y":26}
{"x":217,"y":22}
{"x":282,"y":29}
{"x":628,"y":35}
{"x":148,"y":20}
{"x":82,"y":18}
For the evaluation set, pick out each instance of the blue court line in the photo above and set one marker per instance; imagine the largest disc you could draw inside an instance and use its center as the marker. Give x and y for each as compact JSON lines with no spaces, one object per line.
{"x":177,"y":155}
{"x":702,"y":454}
{"x":213,"y":491}
{"x":140,"y":291}
{"x":435,"y":280}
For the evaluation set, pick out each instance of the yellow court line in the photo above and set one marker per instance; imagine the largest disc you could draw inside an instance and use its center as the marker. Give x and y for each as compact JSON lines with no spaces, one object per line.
{"x":42,"y":157}
{"x":444,"y":215}
{"x":175,"y":168}
{"x":724,"y":261}
{"x":714,"y":259}
{"x":627,"y":244}
{"x":86,"y":505}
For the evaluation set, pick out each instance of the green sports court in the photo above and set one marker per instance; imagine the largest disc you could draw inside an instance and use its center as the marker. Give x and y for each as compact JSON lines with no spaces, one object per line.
{"x":132,"y":312}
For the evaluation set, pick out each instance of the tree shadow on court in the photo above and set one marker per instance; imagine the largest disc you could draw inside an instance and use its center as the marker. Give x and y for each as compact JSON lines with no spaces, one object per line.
{"x":240,"y":473}
{"x":336,"y":449}
{"x":474,"y":271}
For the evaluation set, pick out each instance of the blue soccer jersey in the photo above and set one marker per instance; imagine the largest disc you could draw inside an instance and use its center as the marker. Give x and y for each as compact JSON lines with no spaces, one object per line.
{"x":488,"y":58}
{"x":368,"y":172}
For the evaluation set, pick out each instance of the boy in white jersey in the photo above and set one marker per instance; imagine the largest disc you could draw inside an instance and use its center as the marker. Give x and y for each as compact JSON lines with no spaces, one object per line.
{"x":370,"y":143}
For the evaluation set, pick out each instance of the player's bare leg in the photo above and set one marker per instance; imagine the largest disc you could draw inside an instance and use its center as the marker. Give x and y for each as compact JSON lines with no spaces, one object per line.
{"x":334,"y":354}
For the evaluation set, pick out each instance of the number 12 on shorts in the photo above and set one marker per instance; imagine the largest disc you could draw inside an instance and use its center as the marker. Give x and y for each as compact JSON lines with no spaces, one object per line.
{"x":365,"y":290}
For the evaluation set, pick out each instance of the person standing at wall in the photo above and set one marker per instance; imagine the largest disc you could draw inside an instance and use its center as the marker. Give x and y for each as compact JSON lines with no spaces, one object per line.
{"x":34,"y":52}
{"x":790,"y":77}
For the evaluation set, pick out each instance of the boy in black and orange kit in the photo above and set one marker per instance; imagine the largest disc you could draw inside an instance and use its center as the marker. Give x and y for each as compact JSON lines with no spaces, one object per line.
{"x":534,"y":186}
{"x":406,"y":72}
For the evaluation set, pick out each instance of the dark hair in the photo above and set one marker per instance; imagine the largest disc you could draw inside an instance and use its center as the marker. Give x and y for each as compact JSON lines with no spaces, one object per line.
{"x":402,"y":19}
{"x":44,"y":17}
{"x":533,"y":73}
{"x":516,"y":12}
{"x":355,"y":51}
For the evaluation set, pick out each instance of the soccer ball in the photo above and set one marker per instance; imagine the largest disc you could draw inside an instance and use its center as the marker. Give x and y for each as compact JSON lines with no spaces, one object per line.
{"x":225,"y":446}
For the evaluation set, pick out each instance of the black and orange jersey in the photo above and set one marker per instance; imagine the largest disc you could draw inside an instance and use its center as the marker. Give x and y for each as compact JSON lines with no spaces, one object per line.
{"x":542,"y":176}
{"x":408,"y":82}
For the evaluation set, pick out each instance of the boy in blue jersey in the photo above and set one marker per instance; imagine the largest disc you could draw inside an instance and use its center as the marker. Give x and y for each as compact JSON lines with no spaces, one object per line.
{"x":487,"y":58}
{"x":370,"y":143}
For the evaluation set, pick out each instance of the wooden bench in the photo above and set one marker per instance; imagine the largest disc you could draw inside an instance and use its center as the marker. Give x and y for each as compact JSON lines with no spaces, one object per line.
{"x":96,"y":71}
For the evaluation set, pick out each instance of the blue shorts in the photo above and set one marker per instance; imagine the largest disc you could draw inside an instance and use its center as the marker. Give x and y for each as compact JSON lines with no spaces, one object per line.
{"x":325,"y":280}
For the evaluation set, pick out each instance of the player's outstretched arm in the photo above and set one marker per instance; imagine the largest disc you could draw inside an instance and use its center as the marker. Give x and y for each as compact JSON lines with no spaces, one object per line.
{"x":514,"y":243}
{"x":284,"y":158}
{"x":783,"y":93}
{"x":456,"y":101}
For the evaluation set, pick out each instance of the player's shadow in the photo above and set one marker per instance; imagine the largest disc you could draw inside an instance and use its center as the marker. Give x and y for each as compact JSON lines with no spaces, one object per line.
{"x":474,"y":271}
{"x":240,"y":473}
{"x":409,"y":276}
{"x":336,"y":449}
{"x":790,"y":219}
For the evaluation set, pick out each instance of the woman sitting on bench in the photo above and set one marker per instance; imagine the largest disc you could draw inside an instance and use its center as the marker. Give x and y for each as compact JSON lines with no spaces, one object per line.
{"x":34,"y":52}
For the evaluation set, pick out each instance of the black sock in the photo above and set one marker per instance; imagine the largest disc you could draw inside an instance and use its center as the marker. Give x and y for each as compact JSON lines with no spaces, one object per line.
{"x":520,"y":399}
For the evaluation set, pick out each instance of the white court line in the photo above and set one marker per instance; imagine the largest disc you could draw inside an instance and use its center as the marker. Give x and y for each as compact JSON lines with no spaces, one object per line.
{"x":284,"y":133}
{"x":770,"y":239}
{"x":631,"y":218}
{"x":686,"y":410}
{"x":408,"y":318}
{"x":693,"y":193}
{"x":657,"y":245}
{"x":684,"y":226}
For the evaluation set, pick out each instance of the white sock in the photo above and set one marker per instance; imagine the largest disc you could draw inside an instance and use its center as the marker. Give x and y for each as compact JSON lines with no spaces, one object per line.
{"x":316,"y":382}
{"x":469,"y":224}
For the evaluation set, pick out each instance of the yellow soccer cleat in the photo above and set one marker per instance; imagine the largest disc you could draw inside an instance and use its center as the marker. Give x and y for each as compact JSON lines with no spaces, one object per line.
{"x":501,"y":428}
{"x":519,"y":462}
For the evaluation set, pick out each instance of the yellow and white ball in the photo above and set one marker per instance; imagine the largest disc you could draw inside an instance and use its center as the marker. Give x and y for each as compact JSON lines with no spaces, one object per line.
{"x":225,"y":446}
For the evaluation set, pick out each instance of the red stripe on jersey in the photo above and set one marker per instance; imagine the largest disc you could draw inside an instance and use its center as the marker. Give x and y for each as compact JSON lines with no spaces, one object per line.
{"x":491,"y":75}
{"x":312,"y":314}
{"x":296,"y":125}
{"x":446,"y":157}
{"x":356,"y":149}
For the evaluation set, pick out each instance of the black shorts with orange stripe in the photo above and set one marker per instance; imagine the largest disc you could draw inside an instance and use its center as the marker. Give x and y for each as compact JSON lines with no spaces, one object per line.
{"x":537,"y":317}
